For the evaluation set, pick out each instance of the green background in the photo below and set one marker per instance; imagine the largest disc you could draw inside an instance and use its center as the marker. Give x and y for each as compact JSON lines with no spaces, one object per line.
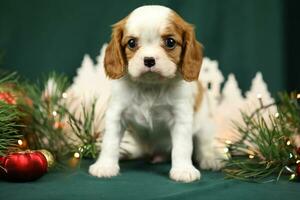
{"x":245,"y":36}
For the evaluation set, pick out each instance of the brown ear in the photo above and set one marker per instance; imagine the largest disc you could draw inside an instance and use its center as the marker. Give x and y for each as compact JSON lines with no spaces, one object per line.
{"x":114,"y":60}
{"x":192,"y":55}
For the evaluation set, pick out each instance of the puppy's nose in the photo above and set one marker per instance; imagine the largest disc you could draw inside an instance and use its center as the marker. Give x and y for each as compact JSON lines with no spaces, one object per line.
{"x":149,"y":61}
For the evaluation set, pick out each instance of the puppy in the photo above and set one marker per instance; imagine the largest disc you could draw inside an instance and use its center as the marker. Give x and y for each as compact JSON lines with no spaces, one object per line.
{"x":154,"y":60}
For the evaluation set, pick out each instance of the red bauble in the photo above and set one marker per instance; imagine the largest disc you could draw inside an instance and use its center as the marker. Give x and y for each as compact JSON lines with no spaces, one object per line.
{"x":7,"y":97}
{"x":23,"y":166}
{"x":298,"y":169}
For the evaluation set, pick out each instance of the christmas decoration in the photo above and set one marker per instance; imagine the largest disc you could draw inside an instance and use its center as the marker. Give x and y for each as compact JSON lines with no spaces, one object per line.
{"x":52,"y":122}
{"x":267,"y":145}
{"x":49,"y":157}
{"x":7,"y":97}
{"x":9,"y":115}
{"x":25,"y":165}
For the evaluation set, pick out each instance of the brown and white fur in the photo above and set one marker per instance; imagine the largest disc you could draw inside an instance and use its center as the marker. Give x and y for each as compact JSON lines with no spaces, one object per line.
{"x":163,"y":105}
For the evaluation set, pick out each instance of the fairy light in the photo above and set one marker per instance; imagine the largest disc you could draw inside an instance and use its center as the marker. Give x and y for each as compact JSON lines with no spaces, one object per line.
{"x":226,"y":150}
{"x":298,"y":161}
{"x":276,"y":115}
{"x":54,"y":113}
{"x":292,"y":176}
{"x":76,"y":155}
{"x":64,"y":95}
{"x":288,"y":143}
{"x":291,"y":155}
{"x":80,"y":149}
{"x":20,"y":142}
{"x":251,"y":156}
{"x":298,"y":96}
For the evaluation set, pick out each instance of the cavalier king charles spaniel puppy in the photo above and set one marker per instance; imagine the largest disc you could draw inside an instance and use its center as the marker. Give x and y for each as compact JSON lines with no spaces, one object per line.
{"x":154,"y":60}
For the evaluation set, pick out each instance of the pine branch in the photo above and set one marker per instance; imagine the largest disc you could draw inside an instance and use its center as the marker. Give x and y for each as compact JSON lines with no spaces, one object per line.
{"x":50,"y":116}
{"x":267,"y":143}
{"x":45,"y":113}
{"x":9,"y":117}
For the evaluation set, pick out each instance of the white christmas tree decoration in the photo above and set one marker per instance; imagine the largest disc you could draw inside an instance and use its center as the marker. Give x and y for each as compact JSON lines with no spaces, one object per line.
{"x":259,"y":96}
{"x":211,"y":78}
{"x":229,"y":109}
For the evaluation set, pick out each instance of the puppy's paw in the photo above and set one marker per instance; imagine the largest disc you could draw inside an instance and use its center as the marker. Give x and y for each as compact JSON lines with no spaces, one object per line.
{"x":185,"y":174}
{"x":212,"y":161}
{"x":104,"y":171}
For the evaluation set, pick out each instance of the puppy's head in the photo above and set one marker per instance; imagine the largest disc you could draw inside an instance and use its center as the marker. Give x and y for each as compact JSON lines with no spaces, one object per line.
{"x":153,"y":43}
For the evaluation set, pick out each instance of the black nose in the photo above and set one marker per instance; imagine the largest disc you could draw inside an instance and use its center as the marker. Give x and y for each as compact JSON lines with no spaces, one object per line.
{"x":149,"y":61}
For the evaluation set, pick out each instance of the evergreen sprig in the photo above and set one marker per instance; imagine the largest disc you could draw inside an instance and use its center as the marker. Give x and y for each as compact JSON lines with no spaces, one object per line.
{"x":85,"y":132}
{"x":46,"y":112}
{"x":266,"y":142}
{"x":53,"y":126}
{"x":9,"y":117}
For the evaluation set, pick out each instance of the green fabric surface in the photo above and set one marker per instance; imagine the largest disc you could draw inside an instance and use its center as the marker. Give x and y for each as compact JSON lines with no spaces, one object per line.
{"x":140,"y":180}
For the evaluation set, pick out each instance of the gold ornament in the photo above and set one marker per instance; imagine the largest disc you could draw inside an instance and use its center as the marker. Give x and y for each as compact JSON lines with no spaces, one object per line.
{"x":49,"y":157}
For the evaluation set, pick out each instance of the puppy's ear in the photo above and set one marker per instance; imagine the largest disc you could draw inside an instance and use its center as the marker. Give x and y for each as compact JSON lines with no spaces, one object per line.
{"x":191,"y":56}
{"x":114,"y":60}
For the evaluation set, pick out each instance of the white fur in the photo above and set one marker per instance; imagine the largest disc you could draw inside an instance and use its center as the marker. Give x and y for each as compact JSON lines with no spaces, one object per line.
{"x":160,"y":113}
{"x":147,"y":23}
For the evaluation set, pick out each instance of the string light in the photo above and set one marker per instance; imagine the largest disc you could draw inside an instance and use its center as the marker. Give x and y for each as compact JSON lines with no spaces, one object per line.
{"x":288,"y":143}
{"x":298,"y":96}
{"x":76,"y":155}
{"x":276,"y":115}
{"x":251,"y":156}
{"x":292,"y":177}
{"x":226,"y":150}
{"x":298,"y":161}
{"x":64,"y":95}
{"x":20,"y":142}
{"x":54,"y":113}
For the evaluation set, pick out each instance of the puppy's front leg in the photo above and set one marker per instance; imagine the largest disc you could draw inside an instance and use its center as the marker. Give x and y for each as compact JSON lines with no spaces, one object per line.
{"x":182,"y":147}
{"x":107,"y":164}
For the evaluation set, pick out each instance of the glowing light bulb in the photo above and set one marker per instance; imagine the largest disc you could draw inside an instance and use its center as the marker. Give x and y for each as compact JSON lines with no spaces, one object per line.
{"x":226,"y":150}
{"x":20,"y":142}
{"x":54,"y":113}
{"x":251,"y":156}
{"x":64,"y":95}
{"x":76,"y":155}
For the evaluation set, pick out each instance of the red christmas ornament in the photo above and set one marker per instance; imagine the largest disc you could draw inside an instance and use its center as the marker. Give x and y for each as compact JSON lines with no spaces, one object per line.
{"x":298,"y":169}
{"x":298,"y":150}
{"x":23,"y":166}
{"x":7,"y":97}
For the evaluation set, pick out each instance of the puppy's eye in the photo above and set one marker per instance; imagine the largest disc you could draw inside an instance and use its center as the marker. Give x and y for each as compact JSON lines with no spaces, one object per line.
{"x":132,"y":43}
{"x":170,"y":43}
